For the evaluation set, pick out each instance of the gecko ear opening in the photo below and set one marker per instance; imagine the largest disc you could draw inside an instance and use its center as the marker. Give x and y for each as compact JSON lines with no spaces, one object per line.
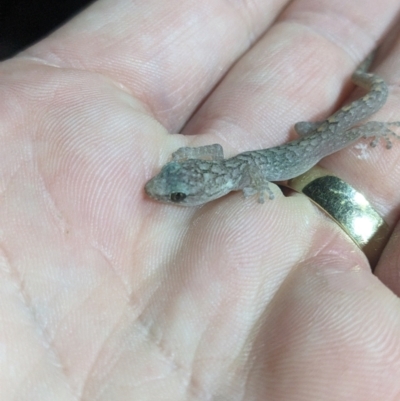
{"x":177,"y":197}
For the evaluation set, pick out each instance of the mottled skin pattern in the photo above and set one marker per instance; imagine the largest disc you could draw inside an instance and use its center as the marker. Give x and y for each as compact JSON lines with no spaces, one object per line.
{"x":199,"y":175}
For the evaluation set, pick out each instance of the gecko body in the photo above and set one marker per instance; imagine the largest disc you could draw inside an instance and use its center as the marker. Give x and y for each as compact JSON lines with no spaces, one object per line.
{"x":198,"y":175}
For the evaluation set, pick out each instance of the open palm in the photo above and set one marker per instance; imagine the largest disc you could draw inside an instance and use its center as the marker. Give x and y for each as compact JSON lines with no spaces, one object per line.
{"x":106,"y":294}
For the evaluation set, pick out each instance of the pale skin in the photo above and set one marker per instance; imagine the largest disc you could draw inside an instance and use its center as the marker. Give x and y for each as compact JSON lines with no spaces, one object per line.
{"x":109,"y":295}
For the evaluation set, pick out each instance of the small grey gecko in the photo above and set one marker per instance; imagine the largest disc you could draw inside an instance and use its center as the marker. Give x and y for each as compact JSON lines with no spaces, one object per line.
{"x":201,"y":174}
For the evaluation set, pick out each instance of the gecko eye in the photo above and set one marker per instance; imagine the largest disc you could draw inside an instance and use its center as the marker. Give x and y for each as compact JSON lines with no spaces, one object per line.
{"x":177,"y":196}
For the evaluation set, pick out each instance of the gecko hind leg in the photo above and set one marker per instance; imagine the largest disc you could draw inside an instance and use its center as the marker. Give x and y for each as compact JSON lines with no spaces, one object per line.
{"x":378,"y":130}
{"x":208,"y":152}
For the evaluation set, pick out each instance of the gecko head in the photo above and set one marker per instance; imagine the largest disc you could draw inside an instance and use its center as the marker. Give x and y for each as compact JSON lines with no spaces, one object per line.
{"x":189,"y":183}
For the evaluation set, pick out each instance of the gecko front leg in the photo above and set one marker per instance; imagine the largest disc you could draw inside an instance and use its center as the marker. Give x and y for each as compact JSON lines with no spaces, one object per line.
{"x":254,"y":182}
{"x":208,"y":152}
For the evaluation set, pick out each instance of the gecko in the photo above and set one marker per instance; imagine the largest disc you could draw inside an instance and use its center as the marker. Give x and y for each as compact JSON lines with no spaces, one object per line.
{"x":197,"y":175}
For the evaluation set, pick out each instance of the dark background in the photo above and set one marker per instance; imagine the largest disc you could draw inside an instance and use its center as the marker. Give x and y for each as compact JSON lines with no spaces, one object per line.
{"x":23,"y":22}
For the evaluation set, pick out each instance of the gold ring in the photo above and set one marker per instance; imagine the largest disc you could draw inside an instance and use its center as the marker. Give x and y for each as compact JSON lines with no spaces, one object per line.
{"x":347,"y":207}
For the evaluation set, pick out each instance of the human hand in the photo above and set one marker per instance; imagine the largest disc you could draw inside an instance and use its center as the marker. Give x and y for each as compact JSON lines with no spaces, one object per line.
{"x":108,"y":295}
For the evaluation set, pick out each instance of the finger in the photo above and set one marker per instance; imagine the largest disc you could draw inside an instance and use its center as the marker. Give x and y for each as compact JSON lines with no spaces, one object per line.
{"x":388,"y":267}
{"x":169,"y":54}
{"x":329,"y":314}
{"x":296,"y":71}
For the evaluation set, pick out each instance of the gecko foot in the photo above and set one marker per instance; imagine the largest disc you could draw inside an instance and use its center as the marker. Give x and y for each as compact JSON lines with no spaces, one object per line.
{"x":254,"y":183}
{"x":378,"y":130}
{"x":250,"y":191}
